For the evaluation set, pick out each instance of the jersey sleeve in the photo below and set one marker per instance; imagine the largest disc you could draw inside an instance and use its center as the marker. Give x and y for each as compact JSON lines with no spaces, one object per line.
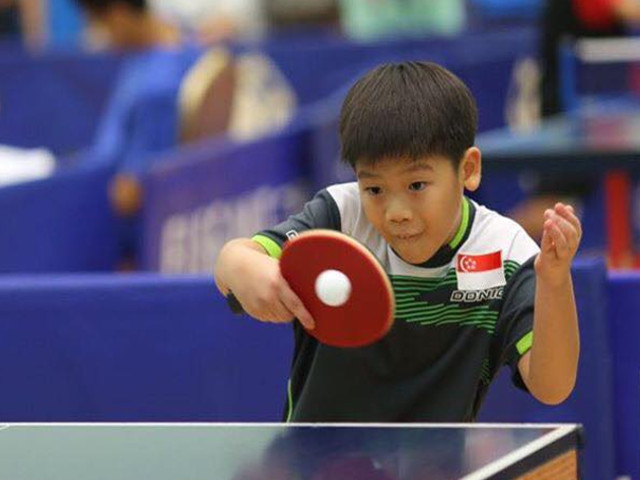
{"x":514,"y":332}
{"x":320,"y":212}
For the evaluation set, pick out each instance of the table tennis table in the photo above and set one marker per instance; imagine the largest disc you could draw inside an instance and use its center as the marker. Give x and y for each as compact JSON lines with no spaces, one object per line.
{"x":601,"y":138}
{"x":289,"y":451}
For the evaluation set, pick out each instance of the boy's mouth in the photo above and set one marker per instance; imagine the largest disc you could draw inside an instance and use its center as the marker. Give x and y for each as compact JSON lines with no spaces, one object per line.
{"x":407,"y":236}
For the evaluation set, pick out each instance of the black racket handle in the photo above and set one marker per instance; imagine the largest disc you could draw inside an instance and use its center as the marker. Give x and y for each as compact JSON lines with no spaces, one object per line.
{"x":234,"y":304}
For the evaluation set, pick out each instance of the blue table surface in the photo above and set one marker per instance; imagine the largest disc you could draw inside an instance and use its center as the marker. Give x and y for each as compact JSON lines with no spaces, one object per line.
{"x":259,"y":451}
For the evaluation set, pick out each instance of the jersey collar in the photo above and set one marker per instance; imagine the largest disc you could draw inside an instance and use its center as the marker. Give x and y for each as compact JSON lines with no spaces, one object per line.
{"x":446,"y":253}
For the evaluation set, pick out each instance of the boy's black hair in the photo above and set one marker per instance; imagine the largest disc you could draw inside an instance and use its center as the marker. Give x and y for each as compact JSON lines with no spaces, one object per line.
{"x":102,"y":5}
{"x":411,"y":109}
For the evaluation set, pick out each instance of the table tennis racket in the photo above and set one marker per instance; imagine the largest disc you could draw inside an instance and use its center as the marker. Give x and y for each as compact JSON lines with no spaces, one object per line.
{"x":359,"y":318}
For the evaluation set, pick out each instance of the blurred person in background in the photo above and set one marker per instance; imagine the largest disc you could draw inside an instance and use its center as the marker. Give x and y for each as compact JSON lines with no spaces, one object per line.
{"x":128,"y":24}
{"x":295,"y":14}
{"x":141,"y":119}
{"x":210,"y":22}
{"x":564,"y":20}
{"x":24,"y":19}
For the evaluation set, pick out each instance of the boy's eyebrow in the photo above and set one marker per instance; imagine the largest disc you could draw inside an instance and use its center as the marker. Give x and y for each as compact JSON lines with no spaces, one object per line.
{"x":414,"y":167}
{"x":365,"y":174}
{"x":417,"y":166}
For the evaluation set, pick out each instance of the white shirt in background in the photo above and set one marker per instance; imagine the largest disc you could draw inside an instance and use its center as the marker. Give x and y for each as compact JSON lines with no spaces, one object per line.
{"x":19,"y":165}
{"x":246,"y":16}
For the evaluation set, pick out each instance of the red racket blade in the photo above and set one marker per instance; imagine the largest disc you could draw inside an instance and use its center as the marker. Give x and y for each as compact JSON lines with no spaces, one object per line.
{"x":367,"y":315}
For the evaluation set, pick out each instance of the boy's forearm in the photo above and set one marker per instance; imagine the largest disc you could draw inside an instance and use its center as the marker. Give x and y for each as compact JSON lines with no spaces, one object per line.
{"x":555,"y":350}
{"x":230,"y":259}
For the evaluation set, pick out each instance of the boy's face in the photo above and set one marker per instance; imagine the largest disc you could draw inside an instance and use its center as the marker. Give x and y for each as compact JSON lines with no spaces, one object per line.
{"x":416,"y":205}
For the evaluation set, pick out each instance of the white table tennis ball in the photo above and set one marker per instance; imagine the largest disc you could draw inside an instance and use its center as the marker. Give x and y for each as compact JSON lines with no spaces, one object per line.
{"x":333,"y":288}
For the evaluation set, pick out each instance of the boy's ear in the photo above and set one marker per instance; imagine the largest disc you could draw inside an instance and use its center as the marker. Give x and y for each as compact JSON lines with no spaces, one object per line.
{"x":471,"y":169}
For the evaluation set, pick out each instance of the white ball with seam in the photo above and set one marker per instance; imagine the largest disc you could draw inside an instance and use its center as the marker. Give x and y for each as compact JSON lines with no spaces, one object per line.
{"x":333,"y":288}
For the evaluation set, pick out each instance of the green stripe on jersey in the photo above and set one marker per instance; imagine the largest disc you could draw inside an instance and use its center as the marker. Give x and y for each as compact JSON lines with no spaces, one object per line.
{"x":414,"y":307}
{"x":464,"y":223}
{"x":525,"y":343}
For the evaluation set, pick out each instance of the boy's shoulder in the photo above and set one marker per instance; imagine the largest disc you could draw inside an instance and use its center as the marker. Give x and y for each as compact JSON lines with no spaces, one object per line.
{"x":493,"y":231}
{"x":344,"y":192}
{"x":347,"y":199}
{"x":353,"y":221}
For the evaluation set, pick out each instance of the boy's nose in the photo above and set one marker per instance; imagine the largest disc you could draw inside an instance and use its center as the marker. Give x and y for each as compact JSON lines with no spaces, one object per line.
{"x":397,"y":213}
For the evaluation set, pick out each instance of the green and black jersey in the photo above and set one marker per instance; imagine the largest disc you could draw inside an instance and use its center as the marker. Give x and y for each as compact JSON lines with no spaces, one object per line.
{"x":459,"y":317}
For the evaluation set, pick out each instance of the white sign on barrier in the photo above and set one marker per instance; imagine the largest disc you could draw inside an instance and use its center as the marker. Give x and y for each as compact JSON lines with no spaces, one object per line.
{"x":190,"y":241}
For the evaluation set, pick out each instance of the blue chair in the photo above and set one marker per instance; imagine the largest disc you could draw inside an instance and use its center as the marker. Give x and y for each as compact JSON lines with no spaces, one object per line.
{"x":59,"y":224}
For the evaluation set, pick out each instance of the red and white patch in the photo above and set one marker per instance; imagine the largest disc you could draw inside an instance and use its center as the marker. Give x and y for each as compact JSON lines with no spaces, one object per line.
{"x":480,"y":272}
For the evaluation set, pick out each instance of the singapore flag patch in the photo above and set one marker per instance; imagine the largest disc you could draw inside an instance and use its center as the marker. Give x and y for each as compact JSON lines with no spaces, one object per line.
{"x":480,"y":272}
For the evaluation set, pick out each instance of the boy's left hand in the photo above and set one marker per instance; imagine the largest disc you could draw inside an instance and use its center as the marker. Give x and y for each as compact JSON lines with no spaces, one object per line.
{"x":560,"y":240}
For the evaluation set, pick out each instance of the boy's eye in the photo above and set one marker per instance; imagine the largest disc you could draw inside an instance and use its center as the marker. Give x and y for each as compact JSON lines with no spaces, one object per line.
{"x":417,"y":186}
{"x":373,"y":190}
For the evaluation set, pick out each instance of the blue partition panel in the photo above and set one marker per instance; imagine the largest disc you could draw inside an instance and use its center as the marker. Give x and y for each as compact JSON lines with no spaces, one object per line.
{"x":198,"y":198}
{"x":591,"y":403}
{"x":337,"y":60}
{"x":135,"y":348}
{"x":53,"y":100}
{"x":59,"y":224}
{"x":624,"y":308}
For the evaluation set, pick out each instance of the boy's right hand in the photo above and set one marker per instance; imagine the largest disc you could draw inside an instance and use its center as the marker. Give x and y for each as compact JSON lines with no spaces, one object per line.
{"x":258,"y":285}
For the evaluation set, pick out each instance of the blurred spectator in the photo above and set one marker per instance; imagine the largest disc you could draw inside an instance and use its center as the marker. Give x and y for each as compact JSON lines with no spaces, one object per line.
{"x":128,"y":24}
{"x":214,"y":21}
{"x":143,"y":119}
{"x":293,"y":14}
{"x":369,"y":19}
{"x":24,"y":19}
{"x":142,"y":115}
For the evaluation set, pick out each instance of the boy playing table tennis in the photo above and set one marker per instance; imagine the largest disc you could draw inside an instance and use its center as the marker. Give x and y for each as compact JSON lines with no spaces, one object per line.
{"x":473,"y":291}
